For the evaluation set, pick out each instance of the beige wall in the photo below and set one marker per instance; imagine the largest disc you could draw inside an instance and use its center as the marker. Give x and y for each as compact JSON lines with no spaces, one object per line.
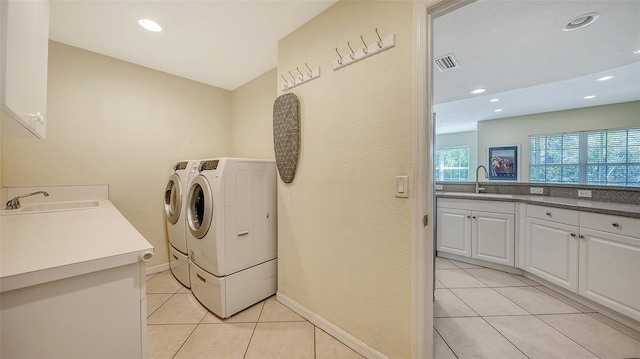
{"x":516,"y":130}
{"x":345,"y":241}
{"x":252,"y":113}
{"x":112,"y":122}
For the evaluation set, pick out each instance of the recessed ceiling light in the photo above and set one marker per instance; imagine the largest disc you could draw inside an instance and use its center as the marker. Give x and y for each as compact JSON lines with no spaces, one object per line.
{"x":637,"y":52}
{"x":497,"y":110}
{"x":605,"y":78}
{"x":589,"y":97}
{"x":477,"y":91}
{"x":581,"y":21}
{"x":150,"y":25}
{"x":494,"y":100}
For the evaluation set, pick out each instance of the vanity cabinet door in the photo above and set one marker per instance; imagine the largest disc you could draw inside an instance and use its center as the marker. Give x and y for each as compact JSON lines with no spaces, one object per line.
{"x":551,"y":252}
{"x":454,"y":231}
{"x":610,"y":270}
{"x":493,"y":237}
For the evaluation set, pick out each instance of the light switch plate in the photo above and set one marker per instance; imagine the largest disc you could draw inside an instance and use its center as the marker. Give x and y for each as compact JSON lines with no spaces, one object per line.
{"x":536,"y":190}
{"x":439,"y":187}
{"x":402,"y":186}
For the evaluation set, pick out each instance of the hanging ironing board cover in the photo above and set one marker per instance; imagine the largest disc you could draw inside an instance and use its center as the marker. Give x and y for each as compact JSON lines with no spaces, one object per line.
{"x":286,"y":135}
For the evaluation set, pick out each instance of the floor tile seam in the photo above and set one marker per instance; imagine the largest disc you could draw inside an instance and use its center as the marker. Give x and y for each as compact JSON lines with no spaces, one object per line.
{"x":493,"y":289}
{"x":524,"y":284}
{"x":448,"y":345}
{"x":611,"y":326}
{"x":465,"y":303}
{"x":564,"y":334}
{"x":519,"y":306}
{"x":253,"y":332}
{"x":160,"y":306}
{"x":560,"y":300}
{"x":185,"y":341}
{"x":315,"y":347}
{"x":255,"y":326}
{"x":507,"y":339}
{"x":564,"y":296}
{"x":284,"y":321}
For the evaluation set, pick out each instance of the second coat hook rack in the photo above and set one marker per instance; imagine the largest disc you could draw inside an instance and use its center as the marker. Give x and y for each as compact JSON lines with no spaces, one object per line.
{"x":363,"y":52}
{"x":300,"y":78}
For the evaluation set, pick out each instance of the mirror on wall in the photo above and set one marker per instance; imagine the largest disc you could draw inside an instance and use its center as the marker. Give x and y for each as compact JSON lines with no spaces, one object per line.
{"x":557,"y":74}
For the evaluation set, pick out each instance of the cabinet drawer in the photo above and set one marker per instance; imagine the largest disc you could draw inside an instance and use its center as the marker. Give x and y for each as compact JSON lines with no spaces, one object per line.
{"x":559,"y":215}
{"x":611,"y":224}
{"x":477,"y":205}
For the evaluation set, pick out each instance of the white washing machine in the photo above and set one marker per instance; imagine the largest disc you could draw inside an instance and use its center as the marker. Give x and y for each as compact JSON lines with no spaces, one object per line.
{"x":175,"y":198}
{"x":232,"y":233}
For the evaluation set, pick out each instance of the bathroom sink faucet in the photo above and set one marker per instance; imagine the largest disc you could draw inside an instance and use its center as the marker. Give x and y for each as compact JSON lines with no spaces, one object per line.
{"x":486,"y":175}
{"x":14,"y":203}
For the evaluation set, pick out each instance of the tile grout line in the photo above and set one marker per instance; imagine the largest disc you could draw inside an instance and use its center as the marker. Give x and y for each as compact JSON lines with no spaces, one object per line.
{"x":507,"y":339}
{"x":565,"y":335}
{"x":449,"y":346}
{"x":611,"y":326}
{"x":255,"y":326}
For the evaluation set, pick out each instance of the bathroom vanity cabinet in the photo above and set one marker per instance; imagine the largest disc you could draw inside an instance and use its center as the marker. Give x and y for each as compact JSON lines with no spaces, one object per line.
{"x":72,"y":282}
{"x":477,"y":229}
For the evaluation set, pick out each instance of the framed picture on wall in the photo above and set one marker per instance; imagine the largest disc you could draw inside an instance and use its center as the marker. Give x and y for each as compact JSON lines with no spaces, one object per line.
{"x":504,"y":162}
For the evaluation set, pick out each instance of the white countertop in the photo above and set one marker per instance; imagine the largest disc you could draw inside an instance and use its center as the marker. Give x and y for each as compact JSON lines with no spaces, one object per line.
{"x":40,"y":247}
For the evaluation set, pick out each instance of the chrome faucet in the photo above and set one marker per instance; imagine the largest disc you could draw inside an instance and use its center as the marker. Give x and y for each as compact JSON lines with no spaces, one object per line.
{"x":486,"y":175}
{"x":14,"y":203}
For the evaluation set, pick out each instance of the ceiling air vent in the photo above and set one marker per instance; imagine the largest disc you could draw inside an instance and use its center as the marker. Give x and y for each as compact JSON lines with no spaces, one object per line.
{"x":446,"y":62}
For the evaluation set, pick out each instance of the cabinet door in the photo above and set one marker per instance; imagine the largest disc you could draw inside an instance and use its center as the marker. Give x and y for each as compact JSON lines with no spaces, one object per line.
{"x":454,"y":231}
{"x":493,"y":237}
{"x":610,"y":270}
{"x":24,"y":63}
{"x":552,"y":252}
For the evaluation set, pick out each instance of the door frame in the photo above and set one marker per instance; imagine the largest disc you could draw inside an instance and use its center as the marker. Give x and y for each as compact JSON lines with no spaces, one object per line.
{"x":424,"y":186}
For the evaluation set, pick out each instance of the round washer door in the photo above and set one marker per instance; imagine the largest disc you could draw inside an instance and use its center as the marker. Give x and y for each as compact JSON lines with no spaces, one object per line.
{"x":173,"y":199}
{"x":199,"y":207}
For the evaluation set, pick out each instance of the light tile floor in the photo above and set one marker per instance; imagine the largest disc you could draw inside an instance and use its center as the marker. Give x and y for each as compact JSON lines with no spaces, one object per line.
{"x":178,"y":326}
{"x":484,"y":313}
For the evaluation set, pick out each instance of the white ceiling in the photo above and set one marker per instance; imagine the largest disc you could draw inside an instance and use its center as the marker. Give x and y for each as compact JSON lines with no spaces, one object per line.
{"x":513,"y":48}
{"x":220,"y":43}
{"x":517,"y":51}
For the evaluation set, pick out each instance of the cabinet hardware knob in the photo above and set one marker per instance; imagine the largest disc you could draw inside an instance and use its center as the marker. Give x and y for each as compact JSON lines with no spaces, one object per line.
{"x":549,"y":214}
{"x":573,"y":234}
{"x":580,"y":236}
{"x":468,"y":216}
{"x":615,"y":224}
{"x":474,"y":217}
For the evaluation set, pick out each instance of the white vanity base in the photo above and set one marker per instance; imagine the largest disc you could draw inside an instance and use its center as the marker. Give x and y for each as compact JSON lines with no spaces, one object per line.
{"x":95,"y":315}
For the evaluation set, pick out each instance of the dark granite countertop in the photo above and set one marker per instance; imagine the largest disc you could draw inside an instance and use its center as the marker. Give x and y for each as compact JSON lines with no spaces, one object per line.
{"x":616,"y":209}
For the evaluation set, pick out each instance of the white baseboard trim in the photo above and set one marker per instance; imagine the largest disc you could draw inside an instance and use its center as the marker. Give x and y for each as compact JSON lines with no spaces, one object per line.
{"x":157,"y":269}
{"x":346,"y":338}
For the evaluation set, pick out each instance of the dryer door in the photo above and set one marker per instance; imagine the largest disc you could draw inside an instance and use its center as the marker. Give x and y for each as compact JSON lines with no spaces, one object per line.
{"x":173,"y":199}
{"x":199,"y":207}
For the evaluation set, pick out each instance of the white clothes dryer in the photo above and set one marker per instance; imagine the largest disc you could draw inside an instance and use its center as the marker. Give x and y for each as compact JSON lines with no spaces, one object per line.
{"x":175,"y":197}
{"x":232,"y":233}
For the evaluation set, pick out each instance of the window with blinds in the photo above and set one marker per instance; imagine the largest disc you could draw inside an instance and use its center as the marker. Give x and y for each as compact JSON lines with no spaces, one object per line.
{"x":604,"y":157}
{"x":452,"y":164}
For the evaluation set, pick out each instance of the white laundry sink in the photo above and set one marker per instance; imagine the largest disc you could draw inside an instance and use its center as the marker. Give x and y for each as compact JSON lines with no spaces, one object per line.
{"x":55,"y":206}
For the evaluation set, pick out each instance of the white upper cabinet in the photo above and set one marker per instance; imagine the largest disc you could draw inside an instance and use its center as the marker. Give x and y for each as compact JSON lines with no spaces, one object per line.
{"x":24,"y":26}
